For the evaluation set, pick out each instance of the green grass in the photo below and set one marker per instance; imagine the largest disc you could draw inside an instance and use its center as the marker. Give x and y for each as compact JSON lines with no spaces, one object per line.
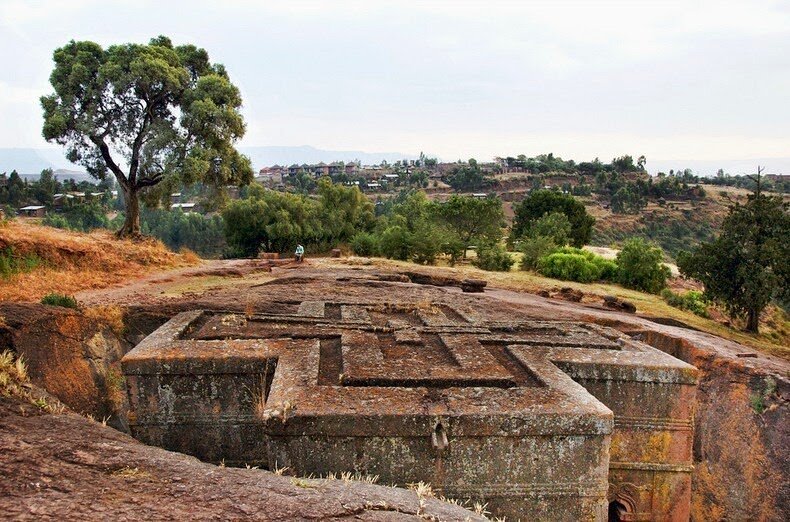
{"x":12,"y":263}
{"x":66,"y":301}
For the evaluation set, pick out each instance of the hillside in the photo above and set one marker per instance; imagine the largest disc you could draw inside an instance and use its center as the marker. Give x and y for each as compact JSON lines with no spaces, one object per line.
{"x":37,"y":260}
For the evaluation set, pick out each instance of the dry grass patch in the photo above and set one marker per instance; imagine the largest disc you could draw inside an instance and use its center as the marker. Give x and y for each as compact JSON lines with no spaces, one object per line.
{"x":68,"y":262}
{"x":15,"y":382}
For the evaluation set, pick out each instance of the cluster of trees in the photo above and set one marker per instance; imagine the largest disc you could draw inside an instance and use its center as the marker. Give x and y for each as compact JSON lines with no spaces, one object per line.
{"x":544,"y":163}
{"x":748,"y":182}
{"x":204,"y":235}
{"x":417,"y":229}
{"x":17,"y":192}
{"x":468,"y":176}
{"x":629,"y":196}
{"x":544,"y":244}
{"x":276,"y":221}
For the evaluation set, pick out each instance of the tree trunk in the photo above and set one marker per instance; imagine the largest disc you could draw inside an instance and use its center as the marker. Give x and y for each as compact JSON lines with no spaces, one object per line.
{"x":753,"y":321}
{"x":131,"y":225}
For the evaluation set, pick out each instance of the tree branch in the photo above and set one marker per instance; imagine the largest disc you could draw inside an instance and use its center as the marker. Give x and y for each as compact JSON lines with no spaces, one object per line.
{"x":105,"y":154}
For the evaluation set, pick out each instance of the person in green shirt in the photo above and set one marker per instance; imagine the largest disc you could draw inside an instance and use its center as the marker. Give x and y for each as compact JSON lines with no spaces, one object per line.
{"x":299,"y":253}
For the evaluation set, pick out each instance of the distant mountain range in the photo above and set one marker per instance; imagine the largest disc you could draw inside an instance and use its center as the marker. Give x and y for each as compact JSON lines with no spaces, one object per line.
{"x":29,"y":162}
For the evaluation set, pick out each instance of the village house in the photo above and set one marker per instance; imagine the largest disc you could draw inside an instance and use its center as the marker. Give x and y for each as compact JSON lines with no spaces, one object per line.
{"x":33,"y":211}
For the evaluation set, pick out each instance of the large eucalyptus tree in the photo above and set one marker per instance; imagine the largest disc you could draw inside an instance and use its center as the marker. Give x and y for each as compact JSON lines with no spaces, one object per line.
{"x":148,"y":114}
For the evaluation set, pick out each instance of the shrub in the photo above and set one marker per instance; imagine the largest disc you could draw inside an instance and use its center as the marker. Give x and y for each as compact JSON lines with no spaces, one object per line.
{"x":65,"y":301}
{"x":641,"y":266}
{"x":426,"y":244}
{"x":534,"y":249}
{"x":395,"y":243}
{"x":574,"y":264}
{"x":693,"y":301}
{"x":493,"y":257}
{"x":364,"y":244}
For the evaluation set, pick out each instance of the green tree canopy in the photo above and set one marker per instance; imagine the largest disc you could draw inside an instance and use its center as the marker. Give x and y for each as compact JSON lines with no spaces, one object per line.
{"x":747,"y":265}
{"x":148,"y":114}
{"x":640,"y":266}
{"x":468,"y":176}
{"x":540,"y":202}
{"x":344,"y":211}
{"x":471,"y":218}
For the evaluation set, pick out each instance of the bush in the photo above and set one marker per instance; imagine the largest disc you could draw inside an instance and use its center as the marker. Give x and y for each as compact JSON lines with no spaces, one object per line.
{"x":574,"y":264}
{"x":693,"y":301}
{"x":365,"y":244}
{"x":395,"y":243}
{"x":493,"y":257}
{"x":426,"y":244}
{"x":65,"y":301}
{"x":535,"y":248}
{"x":641,"y":266}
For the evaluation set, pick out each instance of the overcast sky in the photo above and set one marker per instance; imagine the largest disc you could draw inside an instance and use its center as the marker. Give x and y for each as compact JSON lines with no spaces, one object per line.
{"x":671,"y":80}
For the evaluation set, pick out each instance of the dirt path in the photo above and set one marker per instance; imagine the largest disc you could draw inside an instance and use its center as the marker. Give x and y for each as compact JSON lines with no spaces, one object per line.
{"x":177,"y":283}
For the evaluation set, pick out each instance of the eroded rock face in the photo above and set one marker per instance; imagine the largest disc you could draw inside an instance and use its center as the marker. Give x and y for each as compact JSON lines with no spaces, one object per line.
{"x":742,"y":438}
{"x":65,"y":467}
{"x":74,"y":357}
{"x":495,"y":411}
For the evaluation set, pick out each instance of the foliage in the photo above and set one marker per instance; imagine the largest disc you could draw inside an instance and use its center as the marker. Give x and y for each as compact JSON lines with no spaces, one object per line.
{"x":693,"y":301}
{"x":746,"y":266}
{"x":493,"y":257}
{"x":467,"y":176}
{"x":204,"y":235}
{"x":641,"y":266}
{"x":472,"y":219}
{"x":554,"y":226}
{"x":66,"y":301}
{"x":574,"y":264}
{"x":81,"y":217}
{"x":540,"y":202}
{"x":272,"y":221}
{"x":365,"y":244}
{"x":535,"y":248}
{"x":167,"y":112}
{"x":395,"y":242}
{"x":342,"y":211}
{"x":12,"y":263}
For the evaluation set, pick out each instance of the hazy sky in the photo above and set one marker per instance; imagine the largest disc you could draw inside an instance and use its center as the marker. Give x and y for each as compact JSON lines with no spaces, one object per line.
{"x":671,"y":80}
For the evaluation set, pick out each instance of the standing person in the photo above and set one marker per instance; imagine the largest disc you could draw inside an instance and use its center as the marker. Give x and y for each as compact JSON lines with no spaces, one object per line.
{"x":299,"y":253}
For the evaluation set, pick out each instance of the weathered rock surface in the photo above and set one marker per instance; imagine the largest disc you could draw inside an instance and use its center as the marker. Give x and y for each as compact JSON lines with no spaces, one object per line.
{"x":741,"y":455}
{"x":72,"y":356}
{"x":66,"y":467}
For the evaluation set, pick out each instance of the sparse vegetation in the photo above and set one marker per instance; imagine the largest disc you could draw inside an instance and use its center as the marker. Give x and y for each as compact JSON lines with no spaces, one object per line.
{"x":54,"y":299}
{"x":693,"y":301}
